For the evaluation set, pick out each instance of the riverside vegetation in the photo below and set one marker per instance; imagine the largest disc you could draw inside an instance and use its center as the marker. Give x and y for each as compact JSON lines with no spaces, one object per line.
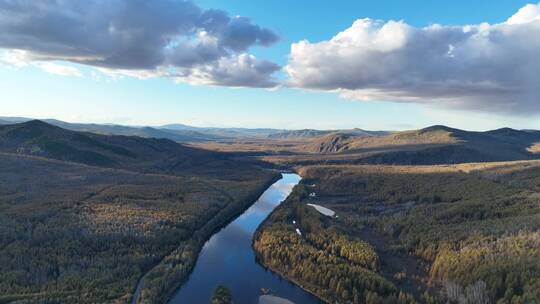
{"x":222,"y":295}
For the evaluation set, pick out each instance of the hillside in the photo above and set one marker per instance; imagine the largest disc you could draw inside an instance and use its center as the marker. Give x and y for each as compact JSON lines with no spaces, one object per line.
{"x":37,"y":138}
{"x":466,"y":233}
{"x":297,"y":134}
{"x":340,"y":142}
{"x":111,"y":129}
{"x":190,"y":134}
{"x":224,"y":132}
{"x":432,"y":145}
{"x":510,"y":140}
{"x":311,"y":133}
{"x":330,"y":143}
{"x":150,"y":132}
{"x":83,"y":216}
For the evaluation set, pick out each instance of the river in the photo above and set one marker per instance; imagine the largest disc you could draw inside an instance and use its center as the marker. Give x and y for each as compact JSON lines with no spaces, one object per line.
{"x":228,"y":259}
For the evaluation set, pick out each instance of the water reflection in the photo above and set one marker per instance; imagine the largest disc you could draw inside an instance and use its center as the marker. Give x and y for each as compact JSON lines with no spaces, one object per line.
{"x":228,"y":259}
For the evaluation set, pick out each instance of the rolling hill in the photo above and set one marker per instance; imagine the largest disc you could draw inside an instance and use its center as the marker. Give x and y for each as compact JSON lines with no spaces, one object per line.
{"x":185,"y":133}
{"x":432,"y":145}
{"x":84,"y":216}
{"x":311,"y":133}
{"x":428,"y":146}
{"x":112,"y":129}
{"x":224,"y":132}
{"x":149,"y":132}
{"x":297,"y":134}
{"x":465,"y":233}
{"x":37,"y":138}
{"x":345,"y":142}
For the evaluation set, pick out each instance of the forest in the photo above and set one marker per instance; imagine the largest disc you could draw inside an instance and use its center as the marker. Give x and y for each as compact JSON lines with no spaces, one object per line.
{"x":464,"y":233}
{"x":88,"y":218}
{"x":73,"y":232}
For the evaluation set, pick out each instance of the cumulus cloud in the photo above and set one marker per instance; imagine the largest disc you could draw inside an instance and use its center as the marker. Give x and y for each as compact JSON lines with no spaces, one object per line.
{"x":241,"y":71}
{"x":135,"y":38}
{"x":491,"y":67}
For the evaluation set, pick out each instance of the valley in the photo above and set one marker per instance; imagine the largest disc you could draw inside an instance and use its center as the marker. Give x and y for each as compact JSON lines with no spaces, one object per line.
{"x":269,"y":152}
{"x":423,"y":216}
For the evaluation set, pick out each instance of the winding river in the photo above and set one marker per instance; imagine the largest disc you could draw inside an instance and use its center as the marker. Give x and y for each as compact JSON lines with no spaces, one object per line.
{"x":228,"y":259}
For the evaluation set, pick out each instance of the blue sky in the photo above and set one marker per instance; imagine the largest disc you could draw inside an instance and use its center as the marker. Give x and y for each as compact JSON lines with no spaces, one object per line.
{"x":92,"y":97}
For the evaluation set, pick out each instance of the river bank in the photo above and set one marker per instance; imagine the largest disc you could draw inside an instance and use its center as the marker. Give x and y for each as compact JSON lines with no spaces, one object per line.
{"x":179,"y":271}
{"x":228,"y":259}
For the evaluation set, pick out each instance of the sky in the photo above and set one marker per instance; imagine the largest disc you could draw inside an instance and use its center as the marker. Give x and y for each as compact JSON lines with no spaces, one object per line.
{"x":389,"y":65}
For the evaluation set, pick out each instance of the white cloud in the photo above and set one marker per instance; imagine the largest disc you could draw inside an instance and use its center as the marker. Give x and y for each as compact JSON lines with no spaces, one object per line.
{"x":526,"y":14}
{"x":116,"y":74}
{"x":488,"y":67}
{"x":16,"y":58}
{"x":58,"y":69}
{"x":239,"y":71}
{"x":130,"y":38}
{"x":21,"y":58}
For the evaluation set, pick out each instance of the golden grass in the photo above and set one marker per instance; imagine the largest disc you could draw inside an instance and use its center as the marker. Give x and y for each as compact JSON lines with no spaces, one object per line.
{"x":534,"y":148}
{"x":499,"y":167}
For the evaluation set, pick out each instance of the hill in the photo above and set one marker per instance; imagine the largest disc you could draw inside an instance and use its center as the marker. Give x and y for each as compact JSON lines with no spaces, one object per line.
{"x":342,"y":142}
{"x":111,"y":129}
{"x":432,"y":145}
{"x":440,"y":144}
{"x":311,"y":133}
{"x":465,"y":233}
{"x":297,"y":134}
{"x":149,"y":132}
{"x":38,"y":138}
{"x":190,"y":134}
{"x":224,"y":132}
{"x":85,"y":216}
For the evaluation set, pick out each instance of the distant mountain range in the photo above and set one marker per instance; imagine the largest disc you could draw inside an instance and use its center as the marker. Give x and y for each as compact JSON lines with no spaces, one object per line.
{"x":432,"y":145}
{"x":311,"y":133}
{"x":110,"y":129}
{"x":95,"y":144}
{"x":186,"y":133}
{"x":225,"y":132}
{"x":36,"y":138}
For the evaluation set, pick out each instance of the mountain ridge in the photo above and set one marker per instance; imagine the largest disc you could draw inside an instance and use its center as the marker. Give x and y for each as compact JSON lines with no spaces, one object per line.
{"x":113,"y":129}
{"x":146,"y":155}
